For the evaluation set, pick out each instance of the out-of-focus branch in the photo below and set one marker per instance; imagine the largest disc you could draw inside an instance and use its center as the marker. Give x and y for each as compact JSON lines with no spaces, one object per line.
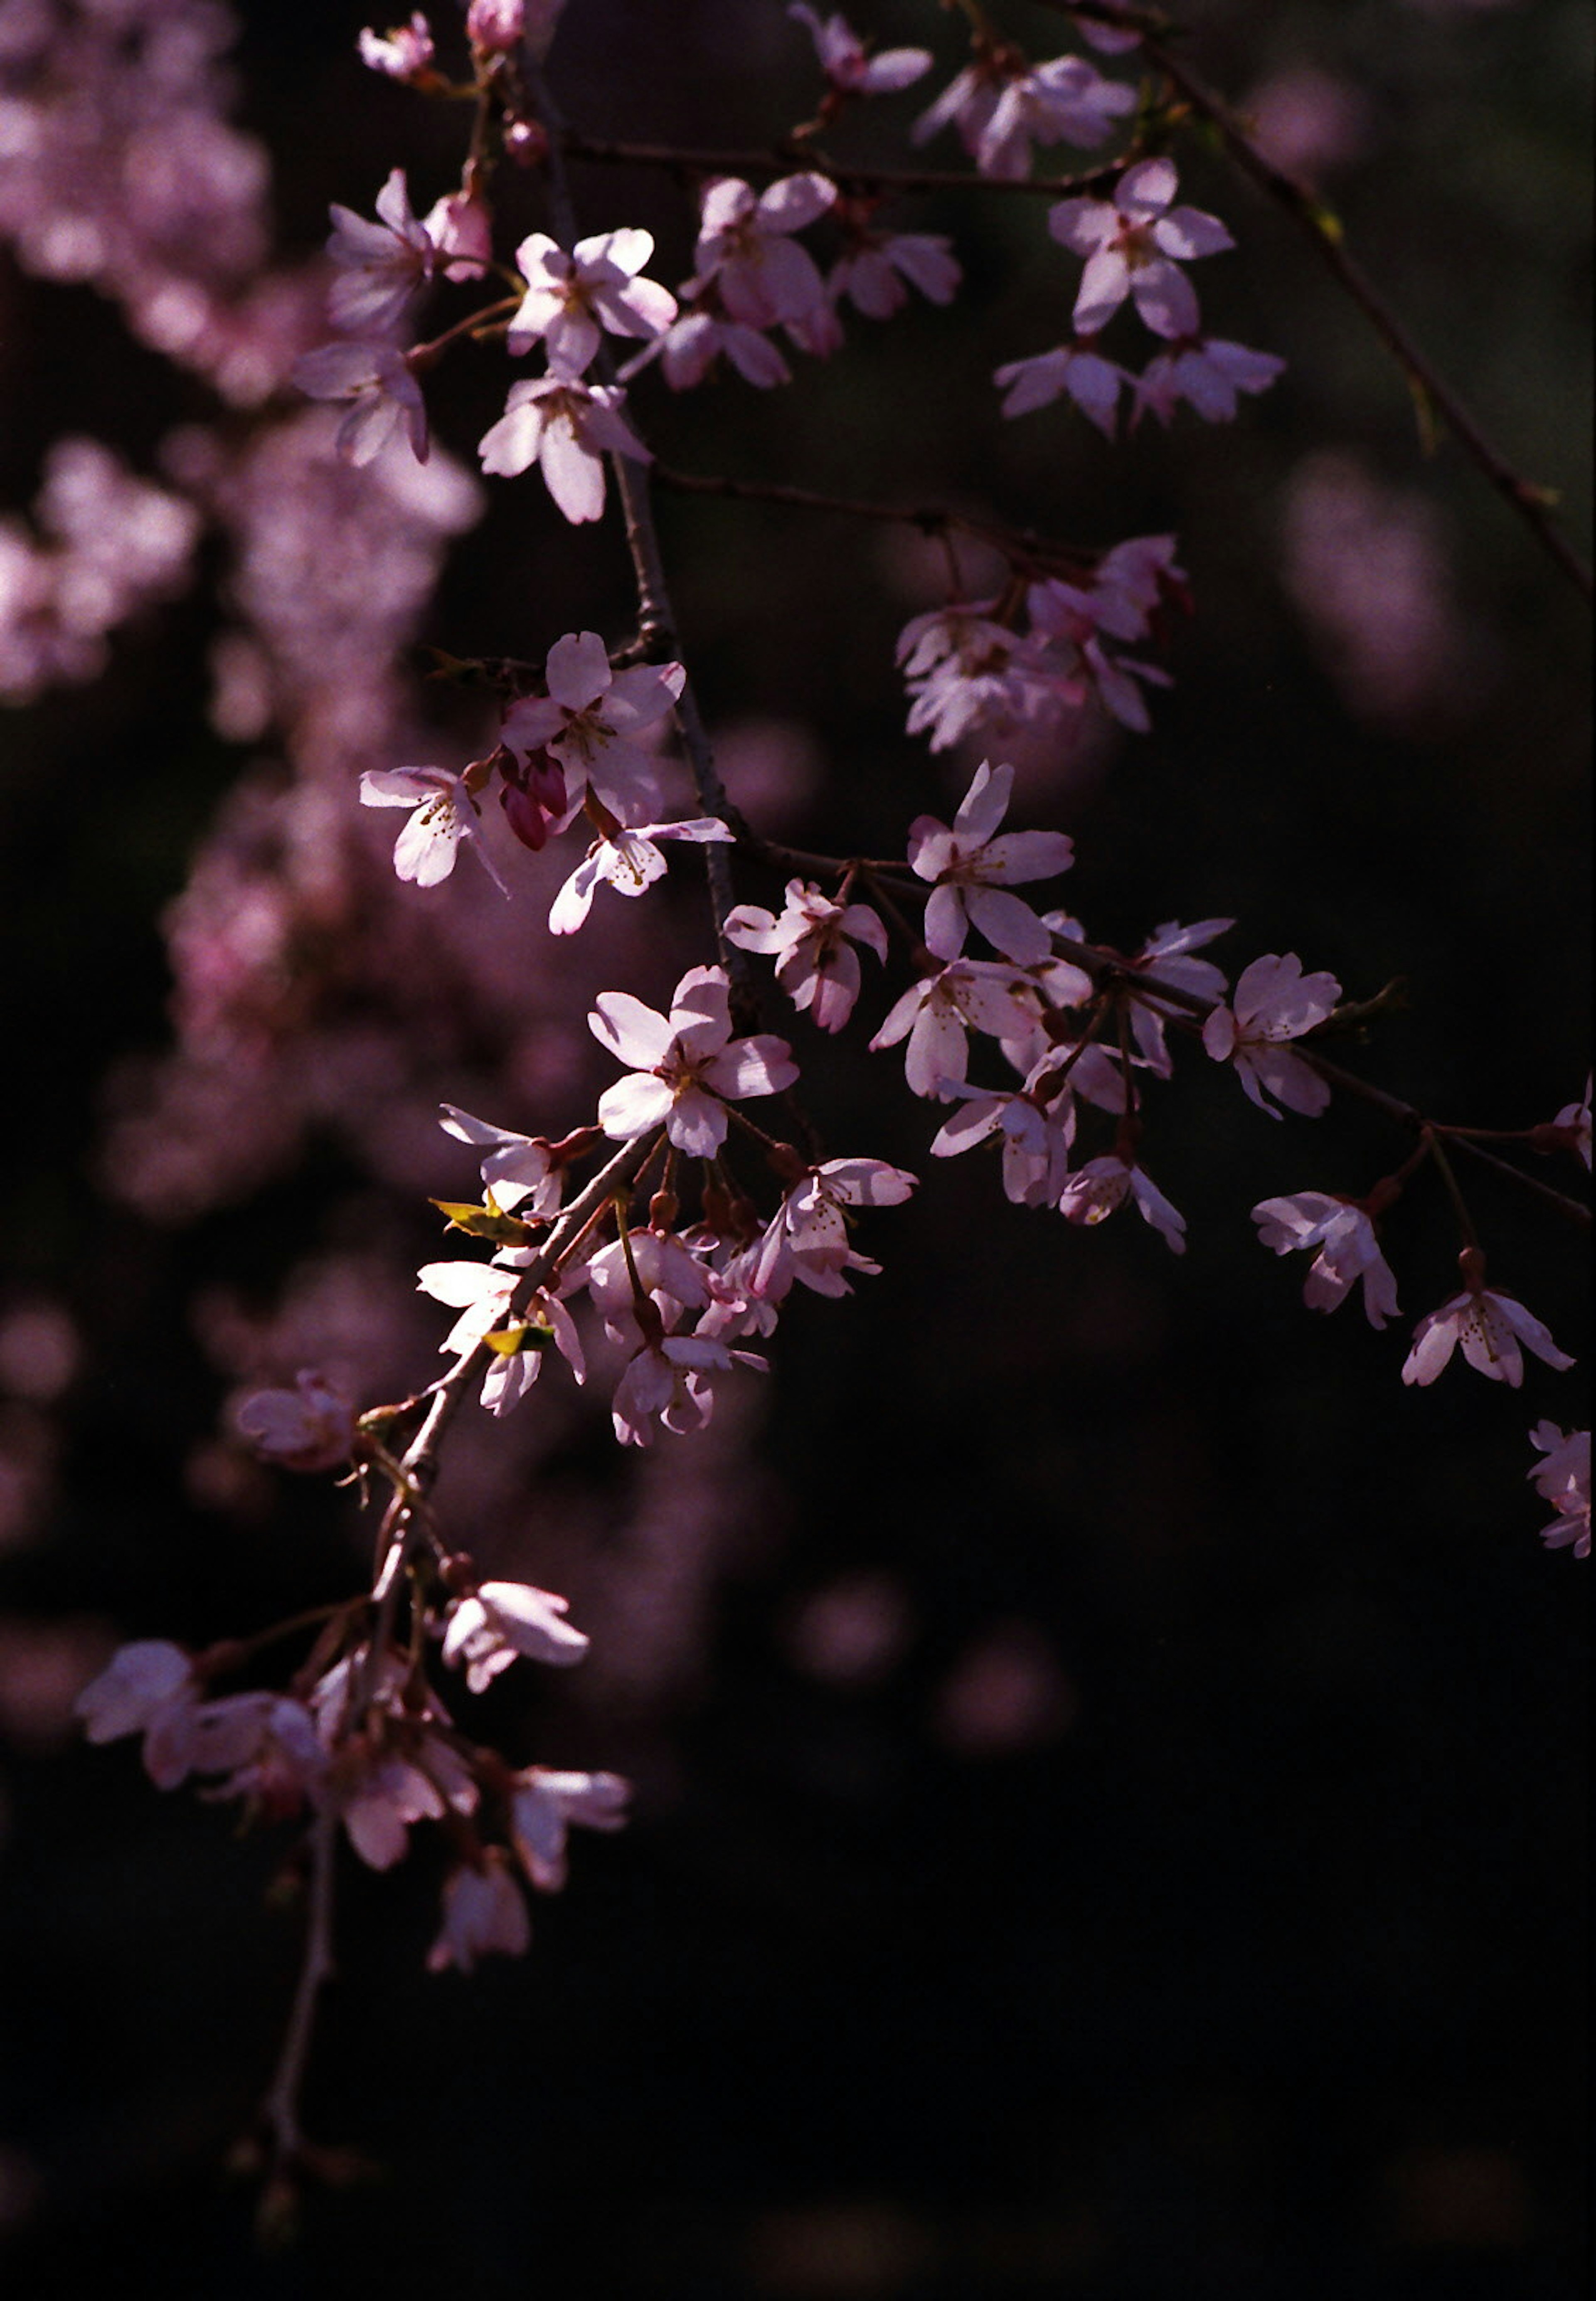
{"x":1530,"y":500}
{"x":1021,"y":545}
{"x":279,"y":2112}
{"x":805,"y":158}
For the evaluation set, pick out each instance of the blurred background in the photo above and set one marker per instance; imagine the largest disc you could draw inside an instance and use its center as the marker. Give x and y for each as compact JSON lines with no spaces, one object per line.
{"x":1109,"y":1760}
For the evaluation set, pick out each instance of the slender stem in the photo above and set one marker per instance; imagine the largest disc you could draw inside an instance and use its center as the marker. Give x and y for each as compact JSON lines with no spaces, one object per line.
{"x":657,"y":620}
{"x":1530,"y":500}
{"x":1021,"y":544}
{"x":613,"y":1180}
{"x":1443,"y":1168}
{"x":280,"y":2108}
{"x":487,"y":316}
{"x":1098,"y":962}
{"x":1569,"y":1208}
{"x":806,"y":159}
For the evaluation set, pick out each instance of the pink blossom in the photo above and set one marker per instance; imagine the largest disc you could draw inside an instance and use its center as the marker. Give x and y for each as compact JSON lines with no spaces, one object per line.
{"x":1166,"y":954}
{"x":1090,"y":381}
{"x":964,"y":670}
{"x":444,"y":812}
{"x":689,"y":348}
{"x":382,"y":392}
{"x":590,"y":716}
{"x":687,"y":1065}
{"x":1491,"y":1326}
{"x":148,"y":1687}
{"x":739,"y":1304}
{"x":518,"y":1170}
{"x":1133,"y":581}
{"x":1349,"y":1250}
{"x":817,"y":331}
{"x":665,"y":1382}
{"x":483,"y":1293}
{"x":1103,"y":1184}
{"x":1075,"y":619}
{"x":1576,"y":1117}
{"x":484,"y":1913}
{"x":813,"y":943}
{"x":381,"y":1787}
{"x":487,"y":1632}
{"x":403,"y":53}
{"x":1275,"y":1001}
{"x":1107,"y":40}
{"x":847,"y":65}
{"x":572,"y":297}
{"x":745,"y":244}
{"x":267,"y":1748}
{"x":533,"y":793}
{"x":567,"y":427}
{"x":496,"y":28}
{"x":1207,"y":373}
{"x":310,"y":1428}
{"x":966,"y":104}
{"x":1563,"y":1480}
{"x":1491,"y":1329}
{"x":1061,"y":100}
{"x":628,"y":859}
{"x":1037,"y":1125}
{"x":874,"y":273}
{"x":808,"y":1238}
{"x":1035,"y":1144}
{"x":655,"y":1262}
{"x":998,"y":113}
{"x":971,"y":865}
{"x":460,"y":227}
{"x":935,"y":1013}
{"x":1131,"y":244}
{"x":544,"y":1805}
{"x":381,"y":265}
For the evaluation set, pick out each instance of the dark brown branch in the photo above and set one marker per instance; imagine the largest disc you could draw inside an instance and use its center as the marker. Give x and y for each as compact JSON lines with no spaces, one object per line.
{"x":804,"y":160}
{"x":1530,"y":500}
{"x":657,"y":621}
{"x":1020,"y":545}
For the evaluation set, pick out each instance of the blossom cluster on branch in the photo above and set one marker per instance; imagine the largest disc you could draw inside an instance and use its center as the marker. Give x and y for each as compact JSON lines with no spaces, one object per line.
{"x":645,"y":1248}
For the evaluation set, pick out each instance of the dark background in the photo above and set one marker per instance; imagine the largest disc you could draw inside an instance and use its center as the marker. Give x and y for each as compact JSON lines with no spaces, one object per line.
{"x":1109,"y":1759}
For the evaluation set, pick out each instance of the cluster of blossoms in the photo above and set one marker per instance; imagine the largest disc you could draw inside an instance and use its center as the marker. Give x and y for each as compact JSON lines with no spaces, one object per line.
{"x":1044,"y":998}
{"x":107,"y":546}
{"x":1563,"y":1479}
{"x":673,"y":1300}
{"x":365,"y":1742}
{"x":1134,"y":245}
{"x":1000,"y":104}
{"x":572,"y":751}
{"x":1075,"y":1034}
{"x":969,"y":668}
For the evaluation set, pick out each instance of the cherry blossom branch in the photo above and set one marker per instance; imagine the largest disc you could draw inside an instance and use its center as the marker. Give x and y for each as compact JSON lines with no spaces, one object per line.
{"x":1102,"y":964}
{"x":418,"y":1461}
{"x":804,"y":155}
{"x":657,"y":620}
{"x":405,"y":1514}
{"x":1018,"y":544}
{"x":279,"y":2110}
{"x":1528,"y":497}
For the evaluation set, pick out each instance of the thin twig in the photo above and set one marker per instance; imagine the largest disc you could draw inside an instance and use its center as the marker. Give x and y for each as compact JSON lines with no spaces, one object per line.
{"x":806,"y":159}
{"x":279,"y":2110}
{"x":1098,"y":963}
{"x":1016,"y":544}
{"x":1530,"y":500}
{"x":656,"y":619}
